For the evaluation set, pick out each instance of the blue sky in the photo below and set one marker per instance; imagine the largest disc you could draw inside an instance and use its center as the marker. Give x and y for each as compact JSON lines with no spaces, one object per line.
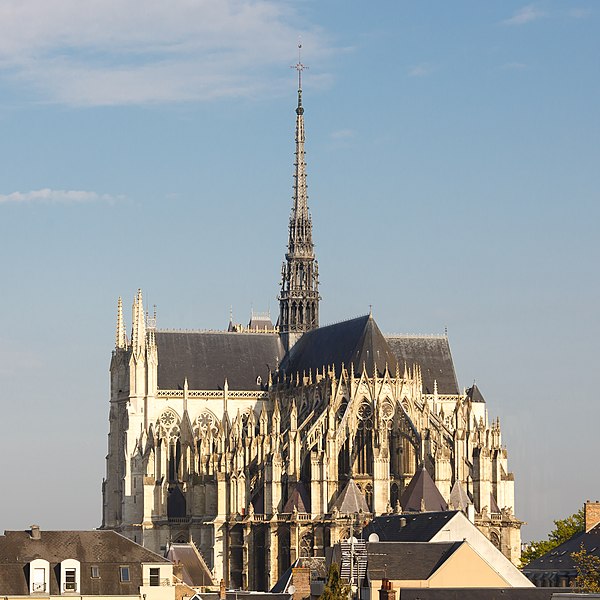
{"x":453,"y":156}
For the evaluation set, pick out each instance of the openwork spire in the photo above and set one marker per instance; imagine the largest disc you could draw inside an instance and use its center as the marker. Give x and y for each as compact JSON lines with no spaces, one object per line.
{"x":299,"y":297}
{"x":121,"y":338}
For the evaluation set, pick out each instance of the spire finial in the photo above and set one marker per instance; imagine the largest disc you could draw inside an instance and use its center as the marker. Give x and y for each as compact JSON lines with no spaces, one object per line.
{"x":299,"y":66}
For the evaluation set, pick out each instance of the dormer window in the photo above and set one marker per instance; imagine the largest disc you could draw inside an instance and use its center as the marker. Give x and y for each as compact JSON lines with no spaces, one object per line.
{"x":39,"y":576}
{"x":70,"y":572}
{"x":70,"y":580}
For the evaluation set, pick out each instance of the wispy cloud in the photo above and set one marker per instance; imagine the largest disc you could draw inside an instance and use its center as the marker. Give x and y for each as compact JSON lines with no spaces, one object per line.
{"x":48,"y":195}
{"x":107,"y":52}
{"x":342,"y":134}
{"x":524,"y":15}
{"x":420,"y":70}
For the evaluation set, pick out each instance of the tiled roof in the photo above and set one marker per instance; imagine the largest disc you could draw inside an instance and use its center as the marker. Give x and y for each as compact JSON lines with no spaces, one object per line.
{"x":458,"y":497}
{"x":206,"y":359}
{"x":407,"y":560}
{"x":409,"y":527}
{"x":475,"y":394}
{"x":433,"y":354}
{"x":422,"y":490}
{"x":195,"y":572}
{"x":479,"y":593}
{"x":350,"y":500}
{"x":358,"y":341}
{"x":559,"y":558}
{"x":107,"y":550}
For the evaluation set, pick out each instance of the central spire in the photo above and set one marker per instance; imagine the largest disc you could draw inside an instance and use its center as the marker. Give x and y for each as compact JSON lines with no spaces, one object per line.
{"x":299,"y":296}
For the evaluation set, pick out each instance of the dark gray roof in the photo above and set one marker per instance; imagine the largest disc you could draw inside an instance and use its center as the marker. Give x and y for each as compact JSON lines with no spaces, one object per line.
{"x":243,"y":594}
{"x":559,"y":559}
{"x":433,"y":354}
{"x":299,"y":499}
{"x":459,"y":497}
{"x":350,"y":500}
{"x":208,"y":358}
{"x":407,"y":560}
{"x":419,"y":527}
{"x":475,"y":394}
{"x":422,"y":489}
{"x":479,"y":593}
{"x":358,"y":341}
{"x":107,"y":550}
{"x":195,"y":572}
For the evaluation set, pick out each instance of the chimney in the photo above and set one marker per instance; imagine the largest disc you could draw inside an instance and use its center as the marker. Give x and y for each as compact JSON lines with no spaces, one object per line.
{"x":301,"y":582}
{"x":222,"y":590}
{"x":591,"y":512}
{"x":36,"y":533}
{"x":387,"y":592}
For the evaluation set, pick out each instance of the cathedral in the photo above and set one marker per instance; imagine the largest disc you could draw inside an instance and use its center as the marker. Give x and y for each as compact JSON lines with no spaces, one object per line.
{"x":264,"y":443}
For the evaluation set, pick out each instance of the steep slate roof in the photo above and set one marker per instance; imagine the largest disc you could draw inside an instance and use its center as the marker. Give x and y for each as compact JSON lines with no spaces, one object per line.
{"x":299,"y":499}
{"x":419,"y":527}
{"x":106,"y":549}
{"x":195,"y":572}
{"x":559,"y":559}
{"x":350,"y":500}
{"x":475,"y":394}
{"x":358,"y":341}
{"x":433,"y":354}
{"x":479,"y":593}
{"x":422,"y":487}
{"x":407,"y":560}
{"x":208,"y":358}
{"x":459,"y":497}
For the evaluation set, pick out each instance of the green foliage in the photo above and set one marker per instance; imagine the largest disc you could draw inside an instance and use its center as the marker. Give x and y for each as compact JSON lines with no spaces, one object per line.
{"x":564,"y":529}
{"x":335,"y":588}
{"x":588,"y":570}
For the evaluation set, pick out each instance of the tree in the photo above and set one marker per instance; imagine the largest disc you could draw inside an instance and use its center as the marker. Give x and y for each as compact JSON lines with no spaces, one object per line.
{"x":564,"y":529}
{"x":587,"y":566}
{"x":335,"y":588}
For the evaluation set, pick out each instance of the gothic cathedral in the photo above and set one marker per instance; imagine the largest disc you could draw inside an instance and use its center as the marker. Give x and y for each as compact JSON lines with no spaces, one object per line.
{"x":265,"y":443}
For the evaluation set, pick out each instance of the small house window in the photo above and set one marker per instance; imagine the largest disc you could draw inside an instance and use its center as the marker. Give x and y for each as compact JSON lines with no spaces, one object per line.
{"x":95,"y":572}
{"x":39,"y":580}
{"x":70,"y":580}
{"x":154,"y":576}
{"x":124,"y":574}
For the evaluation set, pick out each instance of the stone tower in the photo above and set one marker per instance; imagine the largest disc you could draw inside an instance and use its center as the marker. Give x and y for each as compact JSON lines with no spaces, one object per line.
{"x":299,"y":296}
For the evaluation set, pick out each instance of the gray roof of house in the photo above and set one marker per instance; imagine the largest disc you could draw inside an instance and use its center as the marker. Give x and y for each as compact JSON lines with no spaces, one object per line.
{"x":433,"y":354}
{"x":478,"y":593}
{"x":559,"y":559}
{"x":106,"y":549}
{"x":206,"y":359}
{"x":419,"y":527}
{"x":195,"y":572}
{"x":422,"y":488}
{"x":407,"y":560}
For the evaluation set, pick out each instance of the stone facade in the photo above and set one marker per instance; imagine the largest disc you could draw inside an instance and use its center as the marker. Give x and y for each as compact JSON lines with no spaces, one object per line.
{"x":252,"y":442}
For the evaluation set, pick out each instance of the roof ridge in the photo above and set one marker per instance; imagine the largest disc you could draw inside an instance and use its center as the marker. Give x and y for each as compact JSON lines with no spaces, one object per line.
{"x":435,"y":336}
{"x":223,"y":331}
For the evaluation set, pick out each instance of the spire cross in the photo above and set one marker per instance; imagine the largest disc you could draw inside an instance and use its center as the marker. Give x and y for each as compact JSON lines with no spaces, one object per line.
{"x":299,"y":66}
